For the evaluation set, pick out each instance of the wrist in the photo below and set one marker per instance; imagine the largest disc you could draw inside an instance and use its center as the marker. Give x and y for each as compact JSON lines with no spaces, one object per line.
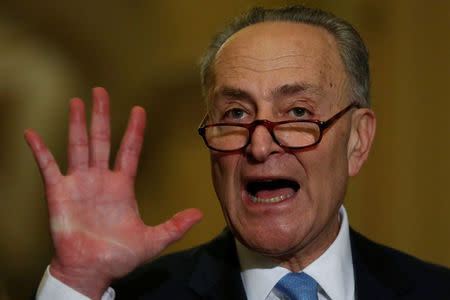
{"x":85,"y":281}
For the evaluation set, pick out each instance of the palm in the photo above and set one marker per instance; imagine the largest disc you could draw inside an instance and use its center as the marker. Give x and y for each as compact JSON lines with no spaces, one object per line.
{"x":94,"y":219}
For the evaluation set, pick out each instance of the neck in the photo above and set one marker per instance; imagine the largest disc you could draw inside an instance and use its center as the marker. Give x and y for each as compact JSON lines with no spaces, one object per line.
{"x":304,"y":256}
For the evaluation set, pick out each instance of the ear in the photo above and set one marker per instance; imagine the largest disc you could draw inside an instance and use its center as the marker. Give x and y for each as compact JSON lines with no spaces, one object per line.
{"x":361,"y":138}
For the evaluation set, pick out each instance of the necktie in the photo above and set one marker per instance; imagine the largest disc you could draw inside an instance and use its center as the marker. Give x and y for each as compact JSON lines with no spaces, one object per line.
{"x":298,"y":286}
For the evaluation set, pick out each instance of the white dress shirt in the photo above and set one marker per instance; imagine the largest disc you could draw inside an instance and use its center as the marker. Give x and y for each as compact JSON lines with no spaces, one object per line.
{"x":51,"y":288}
{"x":333,"y":270}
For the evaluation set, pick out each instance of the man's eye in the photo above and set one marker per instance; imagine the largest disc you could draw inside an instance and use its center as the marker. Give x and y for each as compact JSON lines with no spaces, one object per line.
{"x":235,"y":114}
{"x":298,"y":112}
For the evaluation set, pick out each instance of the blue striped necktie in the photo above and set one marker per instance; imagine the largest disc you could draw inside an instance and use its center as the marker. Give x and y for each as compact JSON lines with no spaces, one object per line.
{"x":298,"y":286}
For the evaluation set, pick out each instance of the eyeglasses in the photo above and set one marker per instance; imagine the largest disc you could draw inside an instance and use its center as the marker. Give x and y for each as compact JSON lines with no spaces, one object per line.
{"x":296,"y":134}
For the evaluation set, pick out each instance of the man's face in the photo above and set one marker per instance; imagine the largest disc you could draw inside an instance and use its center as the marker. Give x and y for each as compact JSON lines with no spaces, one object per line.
{"x":281,"y":71}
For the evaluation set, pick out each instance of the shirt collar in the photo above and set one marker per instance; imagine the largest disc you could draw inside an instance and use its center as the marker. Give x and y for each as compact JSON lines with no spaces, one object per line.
{"x":333,"y":270}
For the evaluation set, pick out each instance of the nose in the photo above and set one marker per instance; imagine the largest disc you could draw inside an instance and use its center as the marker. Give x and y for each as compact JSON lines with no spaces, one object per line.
{"x":262,"y":144}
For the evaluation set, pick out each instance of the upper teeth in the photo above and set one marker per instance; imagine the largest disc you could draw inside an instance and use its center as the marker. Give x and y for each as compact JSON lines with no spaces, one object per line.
{"x":270,"y":200}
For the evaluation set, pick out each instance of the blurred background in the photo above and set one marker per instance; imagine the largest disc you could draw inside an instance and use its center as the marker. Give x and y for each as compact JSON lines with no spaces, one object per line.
{"x":146,"y":53}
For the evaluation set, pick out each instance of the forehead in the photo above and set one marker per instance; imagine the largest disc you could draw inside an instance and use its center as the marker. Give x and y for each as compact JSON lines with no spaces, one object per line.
{"x":265,"y":56}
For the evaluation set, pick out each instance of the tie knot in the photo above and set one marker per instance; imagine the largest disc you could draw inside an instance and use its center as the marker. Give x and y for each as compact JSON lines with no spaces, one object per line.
{"x":298,"y":286}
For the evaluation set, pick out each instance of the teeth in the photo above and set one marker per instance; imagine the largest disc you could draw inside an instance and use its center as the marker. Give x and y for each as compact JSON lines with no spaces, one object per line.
{"x":269,"y":200}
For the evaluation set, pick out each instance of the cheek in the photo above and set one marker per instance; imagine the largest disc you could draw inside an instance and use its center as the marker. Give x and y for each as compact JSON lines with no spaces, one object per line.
{"x":334,"y":150}
{"x":326,"y":169}
{"x":224,"y":169}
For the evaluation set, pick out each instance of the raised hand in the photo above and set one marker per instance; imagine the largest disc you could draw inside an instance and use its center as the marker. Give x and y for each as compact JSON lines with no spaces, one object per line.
{"x":95,"y":225}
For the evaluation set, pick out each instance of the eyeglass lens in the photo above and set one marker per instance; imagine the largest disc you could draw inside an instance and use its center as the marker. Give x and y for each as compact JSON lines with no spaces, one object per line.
{"x":296,"y":134}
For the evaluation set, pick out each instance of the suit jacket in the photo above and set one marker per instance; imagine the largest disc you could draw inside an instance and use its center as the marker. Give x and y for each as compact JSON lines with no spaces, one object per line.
{"x":212,"y":271}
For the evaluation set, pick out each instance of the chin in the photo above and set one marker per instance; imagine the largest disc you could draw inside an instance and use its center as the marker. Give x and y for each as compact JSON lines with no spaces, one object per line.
{"x":272,"y":242}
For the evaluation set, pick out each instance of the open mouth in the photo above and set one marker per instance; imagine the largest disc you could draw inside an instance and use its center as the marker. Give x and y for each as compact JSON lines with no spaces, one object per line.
{"x":271,"y":191}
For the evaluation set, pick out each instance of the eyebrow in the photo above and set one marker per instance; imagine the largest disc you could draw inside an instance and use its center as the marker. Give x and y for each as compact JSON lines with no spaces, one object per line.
{"x":283,"y":91}
{"x":232,"y":93}
{"x":293,"y":89}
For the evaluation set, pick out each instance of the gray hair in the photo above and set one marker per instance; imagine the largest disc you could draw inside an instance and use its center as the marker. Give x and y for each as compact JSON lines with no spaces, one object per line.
{"x":351,"y":47}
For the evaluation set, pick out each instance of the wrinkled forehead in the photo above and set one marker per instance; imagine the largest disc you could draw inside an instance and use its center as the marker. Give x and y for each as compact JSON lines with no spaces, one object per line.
{"x":266,"y":55}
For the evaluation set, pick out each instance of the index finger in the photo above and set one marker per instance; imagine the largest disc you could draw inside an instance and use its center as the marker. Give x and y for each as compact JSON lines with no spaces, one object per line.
{"x":130,"y":147}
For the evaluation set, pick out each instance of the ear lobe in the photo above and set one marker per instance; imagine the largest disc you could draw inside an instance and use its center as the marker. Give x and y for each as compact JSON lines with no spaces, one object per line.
{"x":360,"y":141}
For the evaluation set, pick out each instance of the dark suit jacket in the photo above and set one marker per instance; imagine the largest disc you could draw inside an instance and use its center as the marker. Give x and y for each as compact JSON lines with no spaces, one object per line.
{"x":211,"y":271}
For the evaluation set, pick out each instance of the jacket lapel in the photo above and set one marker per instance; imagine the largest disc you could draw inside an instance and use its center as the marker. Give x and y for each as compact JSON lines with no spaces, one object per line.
{"x":217,"y":272}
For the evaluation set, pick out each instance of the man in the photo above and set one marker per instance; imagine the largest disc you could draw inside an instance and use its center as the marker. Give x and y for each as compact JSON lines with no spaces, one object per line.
{"x":288,"y":123}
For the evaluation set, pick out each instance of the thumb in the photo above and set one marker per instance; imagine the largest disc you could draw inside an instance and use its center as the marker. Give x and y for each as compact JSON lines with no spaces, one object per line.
{"x":157,"y":238}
